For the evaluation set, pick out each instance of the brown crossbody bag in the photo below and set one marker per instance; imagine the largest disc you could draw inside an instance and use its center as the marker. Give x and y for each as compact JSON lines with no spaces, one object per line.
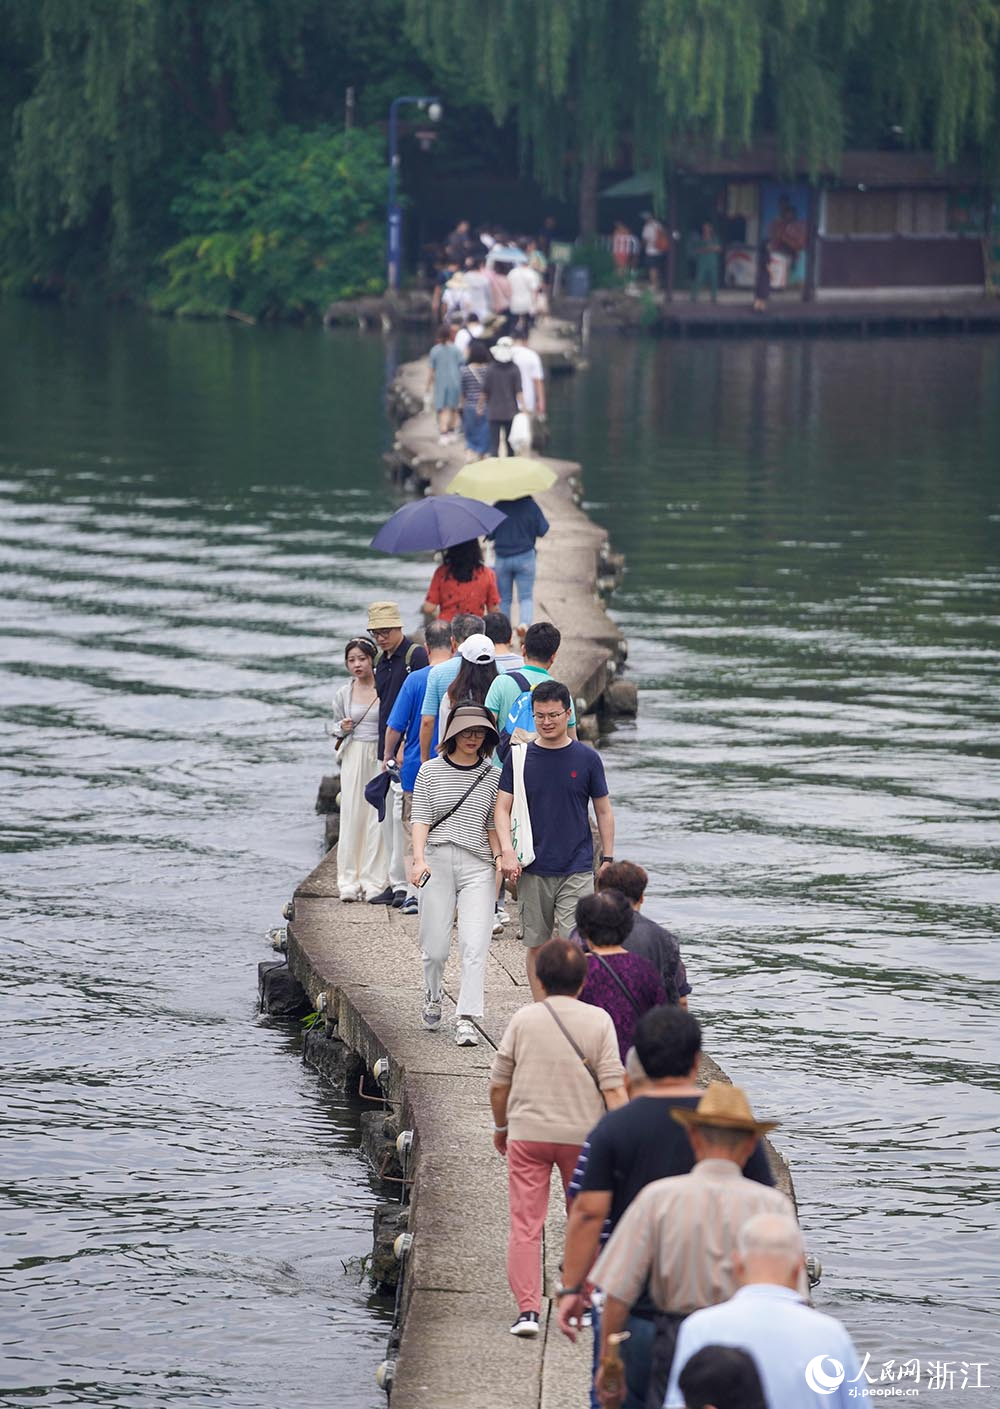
{"x":576,"y":1048}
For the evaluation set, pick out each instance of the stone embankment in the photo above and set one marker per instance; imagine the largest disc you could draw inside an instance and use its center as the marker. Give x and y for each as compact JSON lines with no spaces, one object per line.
{"x":360,"y":966}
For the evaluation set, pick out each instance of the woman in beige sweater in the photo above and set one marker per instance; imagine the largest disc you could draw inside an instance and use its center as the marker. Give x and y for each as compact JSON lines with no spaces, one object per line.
{"x":555,"y":1073}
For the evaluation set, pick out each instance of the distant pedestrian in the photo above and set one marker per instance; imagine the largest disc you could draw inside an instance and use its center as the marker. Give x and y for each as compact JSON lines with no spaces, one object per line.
{"x":525,"y":286}
{"x":445,"y":381}
{"x":455,"y":848}
{"x":762,"y":278}
{"x":625,"y":985}
{"x":770,"y":1320}
{"x":561,"y":778}
{"x":655,"y":244}
{"x":361,"y":859}
{"x":516,"y":557}
{"x":502,"y":398}
{"x":477,"y":288}
{"x":500,"y":632}
{"x":706,"y":263}
{"x":646,"y":937}
{"x":624,"y":249}
{"x":462,"y":583}
{"x":474,"y":423}
{"x":556,"y":1070}
{"x":532,"y":377}
{"x":397,"y":657}
{"x":402,"y":735}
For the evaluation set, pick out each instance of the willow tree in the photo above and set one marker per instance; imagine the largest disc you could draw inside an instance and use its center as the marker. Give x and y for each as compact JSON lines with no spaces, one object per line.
{"x":125,"y":89}
{"x":585,"y":77}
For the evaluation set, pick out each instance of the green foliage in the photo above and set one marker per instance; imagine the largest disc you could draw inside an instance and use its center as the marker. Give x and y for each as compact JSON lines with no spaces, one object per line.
{"x":598,"y":259}
{"x":585,"y":76}
{"x":279,"y":225}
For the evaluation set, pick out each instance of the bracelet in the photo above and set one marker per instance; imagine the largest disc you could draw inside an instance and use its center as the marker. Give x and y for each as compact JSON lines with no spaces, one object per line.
{"x":496,"y":859}
{"x":568,"y":1291}
{"x":606,"y":859}
{"x":499,"y":1130}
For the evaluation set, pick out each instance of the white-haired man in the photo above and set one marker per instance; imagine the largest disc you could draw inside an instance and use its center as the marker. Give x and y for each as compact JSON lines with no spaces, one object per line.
{"x":804,"y":1358}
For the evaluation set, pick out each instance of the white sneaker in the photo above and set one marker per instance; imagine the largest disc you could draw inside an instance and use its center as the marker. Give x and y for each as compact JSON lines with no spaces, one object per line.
{"x":431,"y":1013}
{"x":348,"y":894}
{"x":497,"y":927}
{"x":466,"y":1034}
{"x":501,"y":914}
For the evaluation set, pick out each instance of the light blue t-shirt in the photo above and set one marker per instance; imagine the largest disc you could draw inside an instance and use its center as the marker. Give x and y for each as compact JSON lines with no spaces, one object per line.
{"x":786,"y":1338}
{"x":438,"y":680}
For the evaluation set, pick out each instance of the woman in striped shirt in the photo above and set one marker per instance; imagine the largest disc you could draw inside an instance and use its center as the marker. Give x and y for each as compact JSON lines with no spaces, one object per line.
{"x":455,"y":858}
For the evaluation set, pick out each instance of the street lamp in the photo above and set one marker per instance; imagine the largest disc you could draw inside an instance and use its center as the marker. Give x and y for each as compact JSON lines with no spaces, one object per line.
{"x":394,"y":242}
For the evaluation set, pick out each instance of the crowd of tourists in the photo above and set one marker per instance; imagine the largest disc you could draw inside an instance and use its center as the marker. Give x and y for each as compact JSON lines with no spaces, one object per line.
{"x":483,"y":375}
{"x":463,"y":782}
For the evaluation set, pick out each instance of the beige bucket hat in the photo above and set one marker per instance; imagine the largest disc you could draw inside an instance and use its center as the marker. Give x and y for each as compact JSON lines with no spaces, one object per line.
{"x":383,"y":615}
{"x":725,"y":1107}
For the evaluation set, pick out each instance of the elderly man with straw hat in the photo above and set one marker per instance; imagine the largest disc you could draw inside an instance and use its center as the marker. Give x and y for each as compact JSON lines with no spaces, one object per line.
{"x":680,"y":1234}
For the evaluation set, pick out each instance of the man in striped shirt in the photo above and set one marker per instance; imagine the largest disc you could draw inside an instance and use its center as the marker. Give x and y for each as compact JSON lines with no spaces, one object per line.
{"x":679,"y":1235}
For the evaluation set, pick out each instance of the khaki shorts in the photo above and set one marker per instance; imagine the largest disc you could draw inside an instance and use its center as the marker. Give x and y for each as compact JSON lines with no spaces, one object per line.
{"x":547,"y":904}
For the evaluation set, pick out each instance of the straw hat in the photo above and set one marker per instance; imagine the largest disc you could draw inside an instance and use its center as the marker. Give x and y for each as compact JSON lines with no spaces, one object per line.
{"x":382,"y":615}
{"x":471,"y":716}
{"x":478,"y":649}
{"x":726,"y":1108}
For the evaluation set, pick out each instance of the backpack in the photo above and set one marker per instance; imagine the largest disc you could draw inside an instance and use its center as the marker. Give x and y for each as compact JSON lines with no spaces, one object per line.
{"x":519,"y":716}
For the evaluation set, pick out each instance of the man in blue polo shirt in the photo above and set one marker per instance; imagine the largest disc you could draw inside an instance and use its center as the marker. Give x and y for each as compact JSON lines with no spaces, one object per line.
{"x":404,"y":726}
{"x":561,"y":779}
{"x":464,"y":625}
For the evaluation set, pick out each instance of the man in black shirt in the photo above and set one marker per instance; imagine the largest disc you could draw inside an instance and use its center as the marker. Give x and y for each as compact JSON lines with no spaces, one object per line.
{"x":397,"y":657}
{"x":646,"y":937}
{"x":628,"y":1149}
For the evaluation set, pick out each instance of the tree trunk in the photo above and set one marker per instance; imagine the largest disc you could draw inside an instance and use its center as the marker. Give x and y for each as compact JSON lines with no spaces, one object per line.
{"x":589,"y":173}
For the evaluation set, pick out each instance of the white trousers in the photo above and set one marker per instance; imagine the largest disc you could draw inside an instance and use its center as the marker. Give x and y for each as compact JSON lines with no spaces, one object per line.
{"x":457,"y":879}
{"x":392,"y":839}
{"x":361,"y":859}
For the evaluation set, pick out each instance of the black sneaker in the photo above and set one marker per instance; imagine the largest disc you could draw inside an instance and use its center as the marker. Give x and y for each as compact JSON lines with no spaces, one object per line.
{"x":398,"y":897}
{"x":526,"y":1325}
{"x":384,"y":897}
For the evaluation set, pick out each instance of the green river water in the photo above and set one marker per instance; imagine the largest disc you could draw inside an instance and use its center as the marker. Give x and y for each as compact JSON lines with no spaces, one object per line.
{"x":812,"y":602}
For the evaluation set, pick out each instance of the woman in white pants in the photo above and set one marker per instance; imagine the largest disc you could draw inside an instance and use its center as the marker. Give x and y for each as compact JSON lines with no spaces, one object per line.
{"x":455,"y":849}
{"x":361,"y":859}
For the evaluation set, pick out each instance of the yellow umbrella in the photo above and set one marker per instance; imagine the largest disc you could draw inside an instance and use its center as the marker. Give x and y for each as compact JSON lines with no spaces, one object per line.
{"x":510,"y":477}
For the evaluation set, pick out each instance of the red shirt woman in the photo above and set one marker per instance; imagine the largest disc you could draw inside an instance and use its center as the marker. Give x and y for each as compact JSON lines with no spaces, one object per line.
{"x":462,"y":584}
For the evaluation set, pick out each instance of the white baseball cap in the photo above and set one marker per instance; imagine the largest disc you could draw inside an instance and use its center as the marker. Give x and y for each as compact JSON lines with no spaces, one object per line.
{"x":478,"y":649}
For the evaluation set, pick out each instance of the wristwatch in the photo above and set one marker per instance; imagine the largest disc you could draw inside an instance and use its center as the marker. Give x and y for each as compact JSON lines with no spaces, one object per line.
{"x":606,"y":859}
{"x":562,"y":1291}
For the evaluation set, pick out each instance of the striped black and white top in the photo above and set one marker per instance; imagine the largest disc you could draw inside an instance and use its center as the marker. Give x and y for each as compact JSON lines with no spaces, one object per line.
{"x":439,"y":785}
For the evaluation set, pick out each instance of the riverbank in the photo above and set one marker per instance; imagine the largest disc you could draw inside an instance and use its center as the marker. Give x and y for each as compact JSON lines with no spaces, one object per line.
{"x":362,"y":967}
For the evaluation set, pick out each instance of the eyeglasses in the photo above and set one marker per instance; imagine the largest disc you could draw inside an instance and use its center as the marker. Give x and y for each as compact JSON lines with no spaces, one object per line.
{"x":384,"y":630}
{"x":479,"y":733}
{"x":550,"y":718}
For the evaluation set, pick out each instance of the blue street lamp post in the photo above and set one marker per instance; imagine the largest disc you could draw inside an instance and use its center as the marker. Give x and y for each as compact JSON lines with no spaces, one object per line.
{"x":394,"y":232}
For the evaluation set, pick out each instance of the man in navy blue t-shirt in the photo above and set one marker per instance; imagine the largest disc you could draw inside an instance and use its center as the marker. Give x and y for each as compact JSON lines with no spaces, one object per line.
{"x":561,"y":778}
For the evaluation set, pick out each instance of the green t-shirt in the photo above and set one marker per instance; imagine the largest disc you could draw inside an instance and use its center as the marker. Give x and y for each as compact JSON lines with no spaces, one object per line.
{"x":505,"y":691}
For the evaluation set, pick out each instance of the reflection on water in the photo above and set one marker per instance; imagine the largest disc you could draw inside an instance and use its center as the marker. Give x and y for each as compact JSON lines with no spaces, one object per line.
{"x":183,"y":514}
{"x":812,"y":598}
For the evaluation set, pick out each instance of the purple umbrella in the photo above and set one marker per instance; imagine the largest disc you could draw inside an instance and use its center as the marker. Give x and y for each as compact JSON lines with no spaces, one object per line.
{"x":439,"y":521}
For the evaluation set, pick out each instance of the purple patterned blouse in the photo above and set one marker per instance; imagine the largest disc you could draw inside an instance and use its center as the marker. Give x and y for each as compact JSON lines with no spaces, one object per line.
{"x":639,"y":977}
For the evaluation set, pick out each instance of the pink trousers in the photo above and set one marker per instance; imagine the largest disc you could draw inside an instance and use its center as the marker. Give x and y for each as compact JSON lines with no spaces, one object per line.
{"x":529,"y":1170}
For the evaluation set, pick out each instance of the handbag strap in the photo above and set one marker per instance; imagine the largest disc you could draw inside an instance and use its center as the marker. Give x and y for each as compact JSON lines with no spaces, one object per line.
{"x":452,"y":810}
{"x":576,"y":1047}
{"x":346,"y":738}
{"x":610,"y":969}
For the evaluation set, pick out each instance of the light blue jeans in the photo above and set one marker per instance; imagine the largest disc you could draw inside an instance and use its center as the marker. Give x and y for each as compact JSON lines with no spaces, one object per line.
{"x":519,"y":569}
